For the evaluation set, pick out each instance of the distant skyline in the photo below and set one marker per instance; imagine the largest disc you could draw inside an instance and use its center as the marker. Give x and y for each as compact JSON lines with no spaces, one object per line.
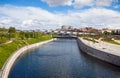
{"x":52,"y":14}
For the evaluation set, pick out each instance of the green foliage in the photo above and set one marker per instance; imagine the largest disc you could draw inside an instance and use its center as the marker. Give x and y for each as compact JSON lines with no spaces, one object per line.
{"x":7,"y":49}
{"x":31,"y":41}
{"x":22,"y":35}
{"x":106,"y":33}
{"x":3,"y":29}
{"x":3,"y":40}
{"x":11,"y":30}
{"x":109,"y":40}
{"x":113,"y":32}
{"x":19,"y":38}
{"x":93,"y":40}
{"x":12,"y":34}
{"x":54,"y":35}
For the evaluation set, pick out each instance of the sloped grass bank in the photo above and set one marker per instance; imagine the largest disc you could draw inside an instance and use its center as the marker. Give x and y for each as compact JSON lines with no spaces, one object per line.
{"x":108,"y":40}
{"x":93,"y":40}
{"x":7,"y":49}
{"x":112,"y":41}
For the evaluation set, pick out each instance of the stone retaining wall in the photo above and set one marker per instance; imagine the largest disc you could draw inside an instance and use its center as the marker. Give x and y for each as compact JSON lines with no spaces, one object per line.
{"x":105,"y":56}
{"x":9,"y":63}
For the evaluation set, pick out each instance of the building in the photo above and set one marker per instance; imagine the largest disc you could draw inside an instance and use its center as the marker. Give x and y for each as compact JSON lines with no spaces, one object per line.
{"x":66,"y":27}
{"x":117,"y":31}
{"x":106,"y":29}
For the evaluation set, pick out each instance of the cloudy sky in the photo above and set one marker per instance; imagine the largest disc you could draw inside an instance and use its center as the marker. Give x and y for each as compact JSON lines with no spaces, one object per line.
{"x":51,"y":14}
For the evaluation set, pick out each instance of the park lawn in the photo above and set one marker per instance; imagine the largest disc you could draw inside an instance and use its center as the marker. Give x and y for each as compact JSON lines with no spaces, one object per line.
{"x":31,"y":41}
{"x":7,"y":49}
{"x":112,"y":42}
{"x":93,"y":40}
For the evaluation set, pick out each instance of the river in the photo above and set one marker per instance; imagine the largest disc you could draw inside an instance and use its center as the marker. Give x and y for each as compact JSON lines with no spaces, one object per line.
{"x":61,"y":59}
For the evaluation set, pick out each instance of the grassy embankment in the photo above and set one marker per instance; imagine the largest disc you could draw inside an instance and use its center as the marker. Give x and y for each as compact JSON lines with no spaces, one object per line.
{"x":110,"y":41}
{"x":94,"y":41}
{"x":105,"y":39}
{"x":89,"y":39}
{"x":7,"y":49}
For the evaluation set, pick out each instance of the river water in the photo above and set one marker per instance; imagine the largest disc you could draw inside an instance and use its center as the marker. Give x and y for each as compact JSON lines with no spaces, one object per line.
{"x":61,"y":59}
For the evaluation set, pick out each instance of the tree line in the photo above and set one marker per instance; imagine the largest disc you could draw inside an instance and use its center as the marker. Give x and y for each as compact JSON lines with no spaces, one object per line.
{"x":11,"y":33}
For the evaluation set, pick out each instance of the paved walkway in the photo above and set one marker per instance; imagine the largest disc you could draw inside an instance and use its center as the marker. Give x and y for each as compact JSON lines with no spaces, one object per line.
{"x":7,"y":42}
{"x":104,"y":46}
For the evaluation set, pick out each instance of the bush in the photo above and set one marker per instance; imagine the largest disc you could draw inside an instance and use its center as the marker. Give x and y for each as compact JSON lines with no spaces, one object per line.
{"x":3,"y":40}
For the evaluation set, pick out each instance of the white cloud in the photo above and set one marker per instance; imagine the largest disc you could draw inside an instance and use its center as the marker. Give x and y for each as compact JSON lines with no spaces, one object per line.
{"x":34,"y":18}
{"x":105,"y":2}
{"x":5,"y":21}
{"x":58,"y":2}
{"x":91,"y":3}
{"x":82,"y":3}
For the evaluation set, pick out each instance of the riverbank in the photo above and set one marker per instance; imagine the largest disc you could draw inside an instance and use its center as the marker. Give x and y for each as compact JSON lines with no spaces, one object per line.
{"x":101,"y":50}
{"x":8,"y":65}
{"x":7,"y":49}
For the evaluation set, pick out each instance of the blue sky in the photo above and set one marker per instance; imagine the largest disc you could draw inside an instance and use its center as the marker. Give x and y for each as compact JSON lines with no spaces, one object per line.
{"x":44,"y":5}
{"x":49,"y":14}
{"x":37,"y":3}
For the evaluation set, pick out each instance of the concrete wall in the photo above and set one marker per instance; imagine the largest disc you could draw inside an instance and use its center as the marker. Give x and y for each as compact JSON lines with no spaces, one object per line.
{"x":9,"y":63}
{"x":107,"y":57}
{"x":0,"y":73}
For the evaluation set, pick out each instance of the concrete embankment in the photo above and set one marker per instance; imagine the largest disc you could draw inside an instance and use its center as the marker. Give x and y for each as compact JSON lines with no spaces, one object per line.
{"x":9,"y":63}
{"x":103,"y":51}
{"x":0,"y":73}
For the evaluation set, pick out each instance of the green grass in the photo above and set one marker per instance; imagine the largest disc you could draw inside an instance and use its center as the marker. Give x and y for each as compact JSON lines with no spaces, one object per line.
{"x":109,"y":40}
{"x":94,"y":41}
{"x":7,"y":49}
{"x":31,"y":41}
{"x":112,"y":41}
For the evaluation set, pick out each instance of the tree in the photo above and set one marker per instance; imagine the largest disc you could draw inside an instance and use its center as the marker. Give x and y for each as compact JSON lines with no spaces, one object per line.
{"x":3,"y":29}
{"x":113,"y":32}
{"x":22,"y":35}
{"x":106,"y":33}
{"x":12,"y":30}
